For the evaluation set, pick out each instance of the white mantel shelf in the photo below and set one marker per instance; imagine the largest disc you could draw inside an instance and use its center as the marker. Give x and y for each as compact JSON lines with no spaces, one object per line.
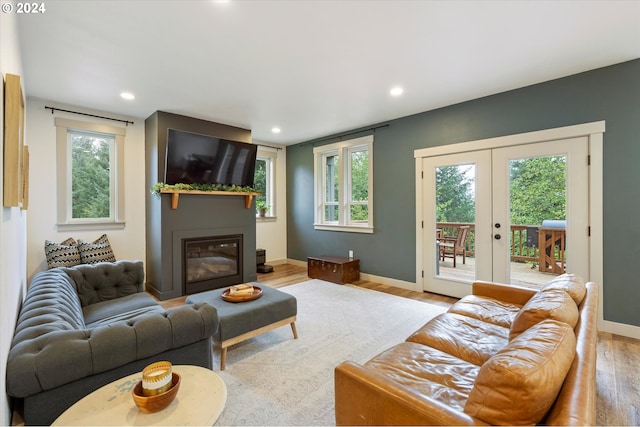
{"x":175,"y":195}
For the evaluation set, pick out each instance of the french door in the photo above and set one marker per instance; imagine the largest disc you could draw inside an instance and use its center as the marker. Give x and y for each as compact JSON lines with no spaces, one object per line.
{"x":524,"y":211}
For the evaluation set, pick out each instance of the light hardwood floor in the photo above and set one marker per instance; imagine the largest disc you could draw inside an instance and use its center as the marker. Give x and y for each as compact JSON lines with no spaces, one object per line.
{"x":618,"y":366}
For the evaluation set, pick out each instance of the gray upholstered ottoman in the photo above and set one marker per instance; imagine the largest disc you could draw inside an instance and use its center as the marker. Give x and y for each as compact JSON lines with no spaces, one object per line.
{"x":239,"y":321}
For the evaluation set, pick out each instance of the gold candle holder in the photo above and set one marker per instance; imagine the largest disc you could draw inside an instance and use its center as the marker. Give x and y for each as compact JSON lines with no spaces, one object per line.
{"x":156,"y":378}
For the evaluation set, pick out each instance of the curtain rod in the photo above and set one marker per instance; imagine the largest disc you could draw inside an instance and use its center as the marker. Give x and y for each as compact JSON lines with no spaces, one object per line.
{"x":269,"y":146}
{"x":53,"y":109}
{"x":340,"y":136}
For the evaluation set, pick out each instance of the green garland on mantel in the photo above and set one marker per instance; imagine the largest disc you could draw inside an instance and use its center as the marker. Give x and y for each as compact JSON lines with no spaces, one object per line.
{"x":201,"y":187}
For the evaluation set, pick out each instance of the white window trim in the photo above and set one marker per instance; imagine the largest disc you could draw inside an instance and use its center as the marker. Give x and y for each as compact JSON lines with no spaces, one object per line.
{"x":65,"y":223}
{"x":343,"y":149}
{"x":272,"y":156}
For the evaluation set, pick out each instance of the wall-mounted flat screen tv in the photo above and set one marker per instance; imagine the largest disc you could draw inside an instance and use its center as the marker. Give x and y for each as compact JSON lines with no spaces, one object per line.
{"x":202,"y":159}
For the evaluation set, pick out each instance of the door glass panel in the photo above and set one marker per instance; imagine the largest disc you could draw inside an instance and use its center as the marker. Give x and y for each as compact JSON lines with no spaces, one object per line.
{"x":538,"y":206}
{"x":455,"y":222}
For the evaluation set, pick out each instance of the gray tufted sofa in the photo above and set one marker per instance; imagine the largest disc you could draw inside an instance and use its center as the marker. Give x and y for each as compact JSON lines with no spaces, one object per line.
{"x":82,"y":327}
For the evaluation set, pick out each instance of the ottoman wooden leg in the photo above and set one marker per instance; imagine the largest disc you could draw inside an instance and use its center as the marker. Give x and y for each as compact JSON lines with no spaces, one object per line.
{"x":235,"y":340}
{"x":223,"y":357}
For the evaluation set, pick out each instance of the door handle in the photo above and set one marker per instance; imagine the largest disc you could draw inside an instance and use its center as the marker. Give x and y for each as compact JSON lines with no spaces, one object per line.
{"x":497,"y":237}
{"x":497,"y":225}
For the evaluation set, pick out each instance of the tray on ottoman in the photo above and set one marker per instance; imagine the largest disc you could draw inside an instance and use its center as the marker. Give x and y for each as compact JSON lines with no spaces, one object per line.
{"x":240,"y":321}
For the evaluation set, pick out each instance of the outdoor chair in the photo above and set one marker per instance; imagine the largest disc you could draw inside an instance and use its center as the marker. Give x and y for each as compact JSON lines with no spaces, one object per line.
{"x":451,"y":246}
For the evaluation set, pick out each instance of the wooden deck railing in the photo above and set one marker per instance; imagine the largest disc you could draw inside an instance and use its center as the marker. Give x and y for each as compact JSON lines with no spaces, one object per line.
{"x":551,"y":260}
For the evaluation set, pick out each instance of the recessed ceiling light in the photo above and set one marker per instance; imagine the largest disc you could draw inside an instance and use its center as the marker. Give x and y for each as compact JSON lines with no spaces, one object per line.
{"x":396,"y":91}
{"x":275,"y":130}
{"x":127,"y":95}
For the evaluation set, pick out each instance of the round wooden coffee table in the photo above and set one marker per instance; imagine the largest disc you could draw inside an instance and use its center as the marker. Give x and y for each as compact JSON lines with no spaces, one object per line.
{"x":200,"y":401}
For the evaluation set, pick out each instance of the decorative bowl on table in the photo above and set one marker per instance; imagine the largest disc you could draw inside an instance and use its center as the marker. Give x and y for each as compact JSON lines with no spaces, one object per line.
{"x":157,"y":389}
{"x":229,"y":296}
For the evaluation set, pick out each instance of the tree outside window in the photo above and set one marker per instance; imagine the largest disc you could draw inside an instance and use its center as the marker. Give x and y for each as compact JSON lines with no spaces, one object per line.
{"x":90,"y":174}
{"x":264,"y":181}
{"x":359,"y":204}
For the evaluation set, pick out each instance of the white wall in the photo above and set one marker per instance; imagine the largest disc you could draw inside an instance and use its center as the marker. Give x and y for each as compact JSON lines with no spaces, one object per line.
{"x":127,"y":243}
{"x":12,"y":222}
{"x":271,"y":233}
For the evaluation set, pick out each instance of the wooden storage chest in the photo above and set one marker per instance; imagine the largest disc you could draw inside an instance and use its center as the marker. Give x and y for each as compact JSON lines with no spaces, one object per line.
{"x":334,"y":269}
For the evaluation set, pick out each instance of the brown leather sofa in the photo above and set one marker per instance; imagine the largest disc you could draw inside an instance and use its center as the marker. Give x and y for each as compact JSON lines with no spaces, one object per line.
{"x":503,"y":355}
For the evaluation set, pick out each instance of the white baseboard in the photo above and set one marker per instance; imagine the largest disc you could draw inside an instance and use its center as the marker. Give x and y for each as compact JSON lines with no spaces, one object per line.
{"x":619,"y":329}
{"x":370,"y":277}
{"x":278,"y":261}
{"x":296,"y":262}
{"x":390,"y":282}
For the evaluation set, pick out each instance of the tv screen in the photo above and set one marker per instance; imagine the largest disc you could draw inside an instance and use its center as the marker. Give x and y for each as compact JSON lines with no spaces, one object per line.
{"x":202,"y":159}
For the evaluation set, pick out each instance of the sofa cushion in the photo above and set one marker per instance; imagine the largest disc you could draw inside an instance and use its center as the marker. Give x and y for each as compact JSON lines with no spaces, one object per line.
{"x":487,"y":309}
{"x":96,"y":251}
{"x":428,"y":371}
{"x":552,"y":304}
{"x":124,"y":308}
{"x":570,"y":283}
{"x":466,"y":338}
{"x":106,"y":281}
{"x":519,"y":384}
{"x":64,"y":254}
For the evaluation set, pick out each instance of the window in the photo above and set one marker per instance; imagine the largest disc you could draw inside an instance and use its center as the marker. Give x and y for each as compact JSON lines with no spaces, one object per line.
{"x":90,"y":175}
{"x":264,"y":181}
{"x":344,"y":186}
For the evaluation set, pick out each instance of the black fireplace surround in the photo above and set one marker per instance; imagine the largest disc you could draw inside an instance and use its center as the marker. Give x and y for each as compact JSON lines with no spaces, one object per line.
{"x":211,"y":262}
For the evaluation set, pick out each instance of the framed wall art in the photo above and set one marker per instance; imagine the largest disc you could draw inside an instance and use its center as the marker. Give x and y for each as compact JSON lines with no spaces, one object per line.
{"x":13,"y":141}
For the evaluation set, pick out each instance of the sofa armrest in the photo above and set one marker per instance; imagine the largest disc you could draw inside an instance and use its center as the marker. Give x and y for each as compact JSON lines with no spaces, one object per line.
{"x":62,"y":357}
{"x":576,"y":402}
{"x":106,"y":280}
{"x":502,"y":292}
{"x":363,"y":397}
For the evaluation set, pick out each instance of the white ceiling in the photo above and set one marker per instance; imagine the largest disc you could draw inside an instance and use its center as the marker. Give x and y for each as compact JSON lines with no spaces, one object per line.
{"x":312,"y":68}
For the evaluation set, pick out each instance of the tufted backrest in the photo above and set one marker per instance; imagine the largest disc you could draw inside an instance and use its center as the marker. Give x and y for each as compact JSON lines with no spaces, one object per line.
{"x":107,"y":280}
{"x":51,"y":305}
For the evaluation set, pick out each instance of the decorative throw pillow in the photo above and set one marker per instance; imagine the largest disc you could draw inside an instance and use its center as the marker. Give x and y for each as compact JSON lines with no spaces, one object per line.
{"x":552,"y":304}
{"x":97,"y":251}
{"x":64,"y":254}
{"x":571,"y":284}
{"x":518,"y":385}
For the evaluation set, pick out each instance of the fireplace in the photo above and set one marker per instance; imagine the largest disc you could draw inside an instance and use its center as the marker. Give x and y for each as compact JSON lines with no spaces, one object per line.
{"x":211,"y":262}
{"x":197,"y":216}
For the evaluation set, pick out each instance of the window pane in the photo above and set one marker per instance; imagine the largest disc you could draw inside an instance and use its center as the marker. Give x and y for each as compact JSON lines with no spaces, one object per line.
{"x":90,"y":175}
{"x":331,"y":213}
{"x":359,"y":176}
{"x":332,"y":164}
{"x":260,"y":181}
{"x":359,"y":213}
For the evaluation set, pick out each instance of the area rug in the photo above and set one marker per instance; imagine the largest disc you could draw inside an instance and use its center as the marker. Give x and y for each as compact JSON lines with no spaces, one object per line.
{"x":274,"y":380}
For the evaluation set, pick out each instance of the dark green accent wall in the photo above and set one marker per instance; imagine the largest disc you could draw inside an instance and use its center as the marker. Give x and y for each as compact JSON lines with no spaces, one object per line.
{"x":611,"y":94}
